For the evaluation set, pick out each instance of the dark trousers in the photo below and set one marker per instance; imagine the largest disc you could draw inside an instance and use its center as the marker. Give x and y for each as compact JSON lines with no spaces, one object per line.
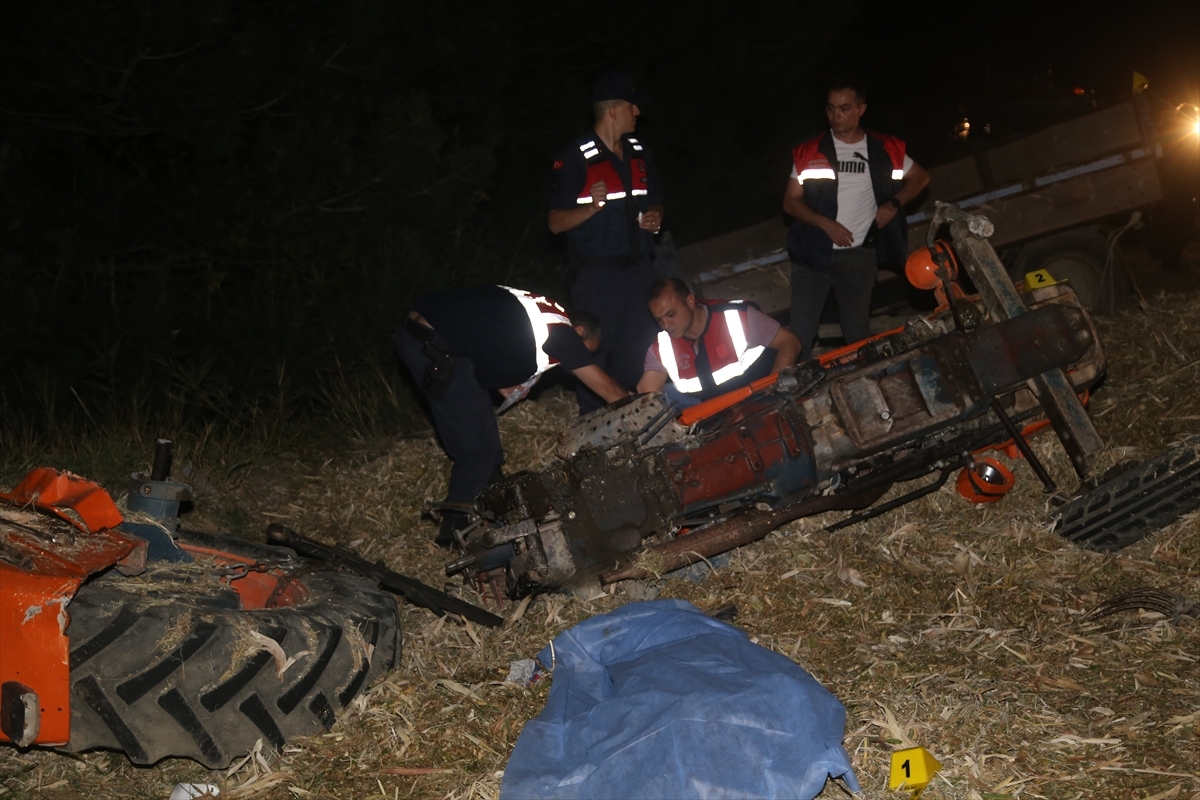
{"x":852,"y":277}
{"x":614,"y":289}
{"x":464,"y":420}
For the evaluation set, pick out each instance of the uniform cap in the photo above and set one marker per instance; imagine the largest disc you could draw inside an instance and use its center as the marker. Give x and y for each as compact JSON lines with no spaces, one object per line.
{"x":617,"y":86}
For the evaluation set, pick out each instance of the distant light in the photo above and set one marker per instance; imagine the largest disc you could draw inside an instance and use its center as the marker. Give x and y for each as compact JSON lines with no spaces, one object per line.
{"x":1078,"y":90}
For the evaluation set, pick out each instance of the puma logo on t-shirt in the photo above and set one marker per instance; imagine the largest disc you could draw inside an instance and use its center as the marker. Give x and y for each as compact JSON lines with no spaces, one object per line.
{"x":857,"y":167}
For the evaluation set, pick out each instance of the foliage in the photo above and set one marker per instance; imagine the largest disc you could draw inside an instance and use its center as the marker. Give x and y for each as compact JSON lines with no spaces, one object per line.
{"x":216,"y":211}
{"x":219,"y":203}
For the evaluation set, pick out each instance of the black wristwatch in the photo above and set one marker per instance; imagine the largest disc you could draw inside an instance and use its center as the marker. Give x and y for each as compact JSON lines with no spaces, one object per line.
{"x":896,"y":202}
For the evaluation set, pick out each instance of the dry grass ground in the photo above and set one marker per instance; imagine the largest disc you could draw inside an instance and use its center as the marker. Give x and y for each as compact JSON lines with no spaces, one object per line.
{"x":957,"y":628}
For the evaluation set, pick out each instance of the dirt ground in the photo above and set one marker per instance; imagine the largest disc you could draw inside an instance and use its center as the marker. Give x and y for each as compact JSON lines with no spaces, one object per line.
{"x":961,"y":629}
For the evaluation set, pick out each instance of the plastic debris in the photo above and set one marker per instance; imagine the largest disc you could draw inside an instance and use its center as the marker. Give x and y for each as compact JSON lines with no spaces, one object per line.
{"x":195,"y":791}
{"x":657,"y":699}
{"x":525,"y":672}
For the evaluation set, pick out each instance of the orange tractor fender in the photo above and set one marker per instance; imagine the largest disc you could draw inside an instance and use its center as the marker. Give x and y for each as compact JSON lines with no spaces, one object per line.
{"x":38,"y":577}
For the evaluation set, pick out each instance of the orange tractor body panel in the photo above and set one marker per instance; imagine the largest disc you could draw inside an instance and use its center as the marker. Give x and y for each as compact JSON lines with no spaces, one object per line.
{"x":38,"y":577}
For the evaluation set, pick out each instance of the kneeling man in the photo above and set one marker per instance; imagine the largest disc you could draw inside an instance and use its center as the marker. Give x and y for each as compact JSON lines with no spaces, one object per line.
{"x":460,"y":343}
{"x":710,"y":347}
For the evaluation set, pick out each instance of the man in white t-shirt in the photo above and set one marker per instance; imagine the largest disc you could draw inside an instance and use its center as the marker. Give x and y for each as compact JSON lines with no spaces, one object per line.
{"x":846,"y":193}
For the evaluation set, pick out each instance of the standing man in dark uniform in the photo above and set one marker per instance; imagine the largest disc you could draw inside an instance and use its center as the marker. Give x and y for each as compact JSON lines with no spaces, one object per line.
{"x":847,"y":193}
{"x":460,"y":343}
{"x":606,"y":198}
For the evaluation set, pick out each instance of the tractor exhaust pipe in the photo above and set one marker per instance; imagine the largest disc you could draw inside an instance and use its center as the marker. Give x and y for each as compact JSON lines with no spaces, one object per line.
{"x":723,"y":536}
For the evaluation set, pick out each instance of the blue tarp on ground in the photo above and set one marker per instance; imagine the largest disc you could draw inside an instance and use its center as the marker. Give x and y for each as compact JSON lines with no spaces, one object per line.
{"x":659,"y":700}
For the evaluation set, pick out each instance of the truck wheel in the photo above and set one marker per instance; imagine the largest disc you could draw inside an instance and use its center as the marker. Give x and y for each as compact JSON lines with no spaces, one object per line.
{"x":174,"y":662}
{"x":1137,"y":502}
{"x":1078,"y":256}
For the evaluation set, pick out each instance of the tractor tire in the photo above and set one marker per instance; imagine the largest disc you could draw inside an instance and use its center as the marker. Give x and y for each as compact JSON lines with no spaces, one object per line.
{"x":173,"y":663}
{"x":1137,"y":502}
{"x":1078,"y":256}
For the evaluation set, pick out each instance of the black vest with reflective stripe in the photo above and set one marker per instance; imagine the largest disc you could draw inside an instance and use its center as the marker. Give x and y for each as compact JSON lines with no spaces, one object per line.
{"x":812,"y":247}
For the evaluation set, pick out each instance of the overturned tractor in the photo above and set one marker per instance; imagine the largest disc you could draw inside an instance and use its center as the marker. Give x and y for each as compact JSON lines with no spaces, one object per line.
{"x":638,"y":479}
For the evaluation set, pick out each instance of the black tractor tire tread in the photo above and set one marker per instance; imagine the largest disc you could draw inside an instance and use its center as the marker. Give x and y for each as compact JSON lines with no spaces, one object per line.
{"x":170,"y":668}
{"x":1137,"y":502}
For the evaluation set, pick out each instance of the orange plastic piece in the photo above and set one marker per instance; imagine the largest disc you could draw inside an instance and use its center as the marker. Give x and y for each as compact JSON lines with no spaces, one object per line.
{"x":985,"y":481}
{"x":53,"y":491}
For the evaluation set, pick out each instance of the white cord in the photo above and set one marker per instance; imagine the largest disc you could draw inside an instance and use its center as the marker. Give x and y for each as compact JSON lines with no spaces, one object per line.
{"x":1135,"y":221}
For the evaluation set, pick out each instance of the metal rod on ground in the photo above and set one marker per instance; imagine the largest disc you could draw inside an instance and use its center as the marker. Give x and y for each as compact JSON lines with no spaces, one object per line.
{"x":415,"y":592}
{"x":883,"y":508}
{"x":1048,"y":484}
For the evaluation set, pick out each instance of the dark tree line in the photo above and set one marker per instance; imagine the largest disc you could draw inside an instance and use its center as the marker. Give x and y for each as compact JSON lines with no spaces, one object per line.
{"x":219,"y":210}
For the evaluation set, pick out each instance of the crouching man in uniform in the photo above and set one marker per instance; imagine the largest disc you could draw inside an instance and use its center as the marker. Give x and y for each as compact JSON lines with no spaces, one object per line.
{"x":460,"y":343}
{"x":710,"y":347}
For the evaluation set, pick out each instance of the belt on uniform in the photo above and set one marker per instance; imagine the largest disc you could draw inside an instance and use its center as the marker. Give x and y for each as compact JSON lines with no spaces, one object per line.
{"x":440,"y":372}
{"x":418,"y":331}
{"x":579,"y":260}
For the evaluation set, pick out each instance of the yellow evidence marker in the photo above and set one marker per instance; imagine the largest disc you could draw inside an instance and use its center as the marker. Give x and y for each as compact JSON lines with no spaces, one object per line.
{"x":1039,"y":277}
{"x":912,"y":769}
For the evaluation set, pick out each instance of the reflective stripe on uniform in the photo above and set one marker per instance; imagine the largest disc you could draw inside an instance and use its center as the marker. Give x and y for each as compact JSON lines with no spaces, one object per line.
{"x":826,"y":174}
{"x":583,"y":201}
{"x":745,"y":357}
{"x":897,"y":174}
{"x":540,"y":321}
{"x":666,"y":354}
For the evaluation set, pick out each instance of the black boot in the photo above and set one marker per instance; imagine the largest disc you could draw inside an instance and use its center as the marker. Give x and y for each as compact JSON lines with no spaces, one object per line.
{"x":452,"y":521}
